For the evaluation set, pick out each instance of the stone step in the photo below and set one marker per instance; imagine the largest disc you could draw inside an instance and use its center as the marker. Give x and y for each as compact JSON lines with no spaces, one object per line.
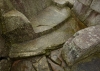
{"x":49,"y":19}
{"x":47,"y":42}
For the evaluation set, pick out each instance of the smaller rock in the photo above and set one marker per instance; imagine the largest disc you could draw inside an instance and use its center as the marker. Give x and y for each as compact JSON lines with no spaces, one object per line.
{"x":17,"y":27}
{"x":55,"y":67}
{"x":81,"y":11}
{"x":96,"y":5}
{"x":93,"y":19}
{"x":42,"y":65}
{"x":83,"y":44}
{"x":86,"y":2}
{"x":38,"y":63}
{"x":5,"y":65}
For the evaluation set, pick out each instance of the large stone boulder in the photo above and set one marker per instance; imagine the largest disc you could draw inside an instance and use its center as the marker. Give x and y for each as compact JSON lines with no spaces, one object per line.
{"x":83,"y":44}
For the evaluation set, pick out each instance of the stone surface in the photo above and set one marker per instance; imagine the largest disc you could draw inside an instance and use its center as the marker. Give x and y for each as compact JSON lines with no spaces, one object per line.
{"x":42,"y":65}
{"x":49,"y":18}
{"x":84,"y":43}
{"x":88,"y":64}
{"x":3,"y":49}
{"x":50,"y":41}
{"x":31,"y":64}
{"x":17,"y":27}
{"x":5,"y":65}
{"x":55,"y":67}
{"x":96,"y":5}
{"x":86,"y":2}
{"x":63,"y":3}
{"x":30,"y":8}
{"x":81,"y":11}
{"x":93,"y":19}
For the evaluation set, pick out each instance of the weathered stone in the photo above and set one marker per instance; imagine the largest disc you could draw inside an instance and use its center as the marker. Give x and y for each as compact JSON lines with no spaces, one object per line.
{"x":49,"y":18}
{"x":86,"y":2}
{"x":81,"y":11}
{"x":88,"y":64}
{"x":93,"y":19}
{"x":31,"y":64}
{"x":55,"y":56}
{"x":55,"y":67}
{"x":96,"y":5}
{"x":5,"y":65}
{"x":42,"y":65}
{"x":50,"y":41}
{"x":56,"y":61}
{"x":83,"y":44}
{"x":30,"y":7}
{"x":3,"y":49}
{"x":17,"y":27}
{"x":63,"y":3}
{"x":5,"y":6}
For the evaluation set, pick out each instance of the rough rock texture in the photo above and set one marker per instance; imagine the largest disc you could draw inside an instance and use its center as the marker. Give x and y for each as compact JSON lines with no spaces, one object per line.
{"x":50,"y":41}
{"x":87,"y":11}
{"x":17,"y":27}
{"x":83,"y":44}
{"x":89,"y":64}
{"x":31,"y":64}
{"x":5,"y":65}
{"x":35,"y":30}
{"x":3,"y":49}
{"x":81,"y":10}
{"x":30,"y":7}
{"x":93,"y":19}
{"x":96,"y":5}
{"x":85,"y":2}
{"x":50,"y":19}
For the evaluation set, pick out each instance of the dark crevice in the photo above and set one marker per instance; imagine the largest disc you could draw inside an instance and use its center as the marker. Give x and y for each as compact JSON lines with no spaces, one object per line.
{"x":2,"y":58}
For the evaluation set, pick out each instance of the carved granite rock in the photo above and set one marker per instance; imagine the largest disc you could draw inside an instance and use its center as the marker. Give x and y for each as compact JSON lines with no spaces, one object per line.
{"x":83,"y":44}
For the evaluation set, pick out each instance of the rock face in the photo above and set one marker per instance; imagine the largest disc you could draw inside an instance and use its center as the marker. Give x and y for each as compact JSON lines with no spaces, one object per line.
{"x":83,"y":44}
{"x":17,"y":27}
{"x":5,"y":65}
{"x":87,"y":11}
